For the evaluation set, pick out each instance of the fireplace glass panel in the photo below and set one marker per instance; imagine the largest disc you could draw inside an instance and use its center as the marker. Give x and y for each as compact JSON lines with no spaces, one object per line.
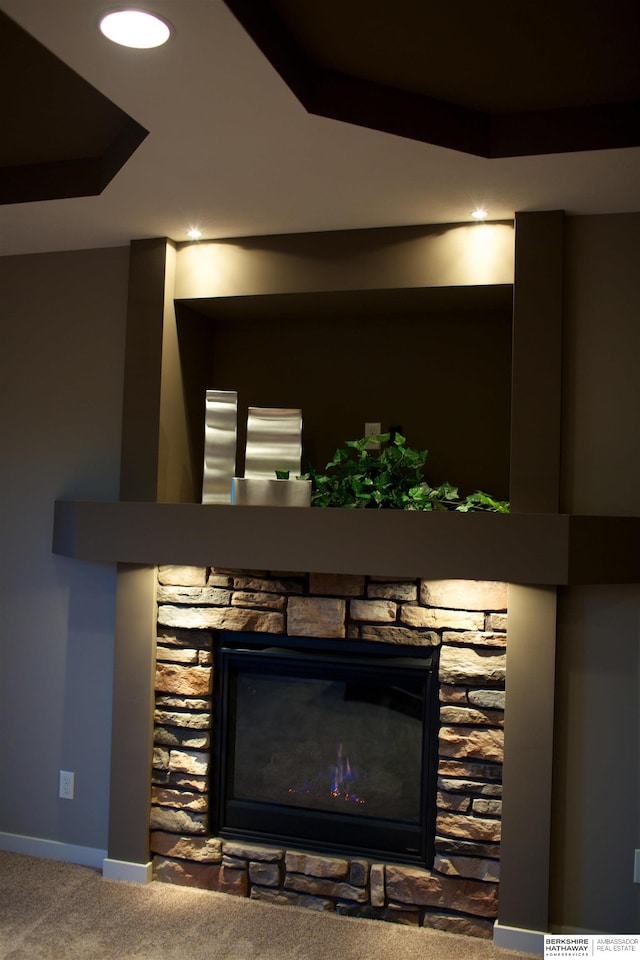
{"x":349,"y":746}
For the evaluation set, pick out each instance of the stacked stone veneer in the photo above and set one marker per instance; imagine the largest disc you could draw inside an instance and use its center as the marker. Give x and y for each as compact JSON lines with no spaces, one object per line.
{"x":466,"y":618}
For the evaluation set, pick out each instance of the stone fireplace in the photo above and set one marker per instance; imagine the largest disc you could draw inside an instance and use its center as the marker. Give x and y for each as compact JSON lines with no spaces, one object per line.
{"x":466,"y":621}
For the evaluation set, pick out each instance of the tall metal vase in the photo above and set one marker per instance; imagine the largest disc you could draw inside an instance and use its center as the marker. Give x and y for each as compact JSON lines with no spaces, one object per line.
{"x":220,"y":441}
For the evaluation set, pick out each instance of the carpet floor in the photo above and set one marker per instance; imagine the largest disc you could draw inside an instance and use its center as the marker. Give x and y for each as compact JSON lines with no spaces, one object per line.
{"x":50,"y":909}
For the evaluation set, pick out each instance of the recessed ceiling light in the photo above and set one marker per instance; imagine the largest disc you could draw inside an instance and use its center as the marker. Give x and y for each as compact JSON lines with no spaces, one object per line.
{"x":135,"y":28}
{"x":479,"y":214}
{"x":194,"y":233}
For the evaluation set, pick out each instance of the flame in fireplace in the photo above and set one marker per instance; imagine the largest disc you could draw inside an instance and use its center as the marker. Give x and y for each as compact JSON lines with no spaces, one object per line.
{"x":341,"y":775}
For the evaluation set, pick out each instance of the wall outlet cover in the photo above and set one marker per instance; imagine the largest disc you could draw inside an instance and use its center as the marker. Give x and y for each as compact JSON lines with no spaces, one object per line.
{"x":372,"y":430}
{"x":67,"y":785}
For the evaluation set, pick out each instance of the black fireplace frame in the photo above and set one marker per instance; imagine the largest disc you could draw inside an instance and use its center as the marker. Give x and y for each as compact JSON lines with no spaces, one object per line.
{"x":233,"y":819}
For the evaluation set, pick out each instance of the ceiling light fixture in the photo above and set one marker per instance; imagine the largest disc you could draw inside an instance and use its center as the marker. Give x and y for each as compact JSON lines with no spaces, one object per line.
{"x":135,"y":28}
{"x":479,"y":213}
{"x":194,"y":233}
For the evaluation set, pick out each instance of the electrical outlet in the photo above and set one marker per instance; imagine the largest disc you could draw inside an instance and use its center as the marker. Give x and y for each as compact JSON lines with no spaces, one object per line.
{"x":636,"y":867}
{"x":67,"y":785}
{"x":372,"y":430}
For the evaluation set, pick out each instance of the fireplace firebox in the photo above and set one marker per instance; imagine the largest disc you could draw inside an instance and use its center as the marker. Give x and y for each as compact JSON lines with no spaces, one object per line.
{"x":330,"y":747}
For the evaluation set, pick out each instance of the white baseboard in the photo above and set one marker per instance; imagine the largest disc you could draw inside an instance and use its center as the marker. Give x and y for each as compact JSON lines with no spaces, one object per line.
{"x":517,"y":938}
{"x":122,"y":870}
{"x":52,"y":850}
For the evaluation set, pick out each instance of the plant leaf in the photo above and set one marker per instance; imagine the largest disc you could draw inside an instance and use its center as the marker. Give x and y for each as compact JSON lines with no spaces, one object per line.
{"x":392,"y":477}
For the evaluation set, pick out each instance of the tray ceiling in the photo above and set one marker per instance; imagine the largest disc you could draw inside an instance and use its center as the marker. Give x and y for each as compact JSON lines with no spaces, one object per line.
{"x":509,"y":79}
{"x":314,"y":126}
{"x":62,"y":137}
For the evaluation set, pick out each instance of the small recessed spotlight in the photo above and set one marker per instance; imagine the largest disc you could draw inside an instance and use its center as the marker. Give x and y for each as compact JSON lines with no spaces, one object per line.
{"x":479,"y":214}
{"x":135,"y":28}
{"x":194,"y":233}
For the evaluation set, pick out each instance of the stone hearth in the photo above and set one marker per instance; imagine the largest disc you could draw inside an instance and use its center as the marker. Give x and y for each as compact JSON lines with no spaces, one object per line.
{"x":467,"y":619}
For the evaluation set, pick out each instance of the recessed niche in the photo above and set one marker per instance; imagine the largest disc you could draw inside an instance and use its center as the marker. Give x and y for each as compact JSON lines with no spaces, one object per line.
{"x":435,"y":362}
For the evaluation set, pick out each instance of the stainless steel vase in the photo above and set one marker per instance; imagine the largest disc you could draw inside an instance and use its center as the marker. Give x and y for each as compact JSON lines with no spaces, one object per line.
{"x":274,"y":442}
{"x":220,"y":440}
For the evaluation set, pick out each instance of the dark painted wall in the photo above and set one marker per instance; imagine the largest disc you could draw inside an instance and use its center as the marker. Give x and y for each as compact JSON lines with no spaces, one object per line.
{"x":61,"y":354}
{"x":344,"y":371}
{"x":597,"y":781}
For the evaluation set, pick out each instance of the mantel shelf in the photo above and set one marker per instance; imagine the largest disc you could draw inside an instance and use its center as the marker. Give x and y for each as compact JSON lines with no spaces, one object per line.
{"x":520,"y":548}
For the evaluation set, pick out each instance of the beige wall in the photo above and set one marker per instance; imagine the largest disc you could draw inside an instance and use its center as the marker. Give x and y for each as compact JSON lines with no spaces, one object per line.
{"x":596,"y":792}
{"x":440,"y":256}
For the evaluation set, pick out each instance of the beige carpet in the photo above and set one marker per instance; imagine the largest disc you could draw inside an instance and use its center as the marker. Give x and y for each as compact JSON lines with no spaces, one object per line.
{"x":58,"y":910}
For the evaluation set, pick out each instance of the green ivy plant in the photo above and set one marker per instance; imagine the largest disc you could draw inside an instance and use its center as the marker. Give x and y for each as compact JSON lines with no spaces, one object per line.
{"x":359,"y":477}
